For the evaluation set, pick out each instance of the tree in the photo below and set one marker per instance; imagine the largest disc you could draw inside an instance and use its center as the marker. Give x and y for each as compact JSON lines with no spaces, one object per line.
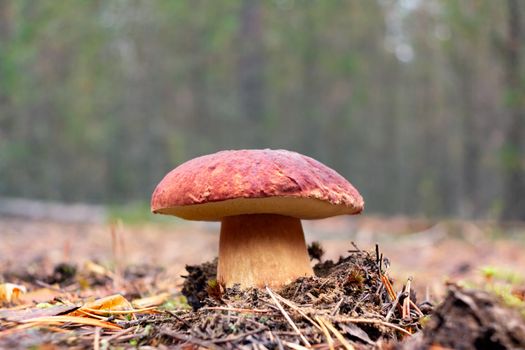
{"x":514,"y":152}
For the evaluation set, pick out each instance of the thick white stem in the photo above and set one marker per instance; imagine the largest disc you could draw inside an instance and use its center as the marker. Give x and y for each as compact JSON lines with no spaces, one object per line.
{"x":262,"y":249}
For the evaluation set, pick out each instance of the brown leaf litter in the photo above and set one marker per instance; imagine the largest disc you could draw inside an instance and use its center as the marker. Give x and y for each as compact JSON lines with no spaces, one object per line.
{"x":349,"y":304}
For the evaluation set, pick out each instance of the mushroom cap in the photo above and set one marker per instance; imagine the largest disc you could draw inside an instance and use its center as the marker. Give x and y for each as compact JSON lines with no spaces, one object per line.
{"x":265,"y":181}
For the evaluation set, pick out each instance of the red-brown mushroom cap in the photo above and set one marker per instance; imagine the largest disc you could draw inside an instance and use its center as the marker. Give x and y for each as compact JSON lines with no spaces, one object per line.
{"x":254,"y":182}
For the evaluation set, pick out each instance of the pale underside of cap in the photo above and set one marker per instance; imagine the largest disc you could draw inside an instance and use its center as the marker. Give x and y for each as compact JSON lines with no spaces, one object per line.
{"x":301,"y":208}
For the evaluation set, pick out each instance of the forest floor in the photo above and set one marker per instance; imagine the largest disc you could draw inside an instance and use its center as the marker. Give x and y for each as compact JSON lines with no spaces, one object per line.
{"x":119,"y":285}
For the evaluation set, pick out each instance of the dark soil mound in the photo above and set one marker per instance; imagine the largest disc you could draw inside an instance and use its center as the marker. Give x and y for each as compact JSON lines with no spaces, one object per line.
{"x":350,"y":299}
{"x":471,"y":320}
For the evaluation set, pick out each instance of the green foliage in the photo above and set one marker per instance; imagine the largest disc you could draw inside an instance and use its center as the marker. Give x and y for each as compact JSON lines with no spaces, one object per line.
{"x":179,"y":303}
{"x":136,"y":213}
{"x":504,"y":283}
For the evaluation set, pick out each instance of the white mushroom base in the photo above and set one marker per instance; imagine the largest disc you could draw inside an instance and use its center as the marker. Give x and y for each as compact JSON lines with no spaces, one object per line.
{"x":262,"y":249}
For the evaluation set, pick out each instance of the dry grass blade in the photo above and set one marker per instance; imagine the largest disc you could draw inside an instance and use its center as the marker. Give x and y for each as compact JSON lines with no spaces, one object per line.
{"x":293,"y":306}
{"x":96,"y":339}
{"x":287,"y":317}
{"x":120,"y":334}
{"x":117,"y":312}
{"x":326,"y":332}
{"x":295,"y":346}
{"x":70,"y":319}
{"x":389,"y":288}
{"x":373,"y":320}
{"x":406,"y":301}
{"x":337,"y":334}
{"x":89,"y":314}
{"x":418,"y":310}
{"x":235,"y":309}
{"x":393,"y":307}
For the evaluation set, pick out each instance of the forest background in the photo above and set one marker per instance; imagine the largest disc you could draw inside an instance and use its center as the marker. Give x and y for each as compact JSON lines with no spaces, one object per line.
{"x":419,"y":103}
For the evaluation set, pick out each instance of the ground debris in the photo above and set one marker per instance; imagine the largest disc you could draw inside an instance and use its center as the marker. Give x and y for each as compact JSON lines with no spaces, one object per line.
{"x":348,"y":295}
{"x":471,"y":319}
{"x":350,"y":304}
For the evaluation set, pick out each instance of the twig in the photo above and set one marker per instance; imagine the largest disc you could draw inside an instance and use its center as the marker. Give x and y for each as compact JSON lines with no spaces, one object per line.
{"x":295,"y":346}
{"x":240,"y":336}
{"x":378,"y":259}
{"x":357,"y":250}
{"x":287,"y":317}
{"x":187,"y":338}
{"x":120,"y":334}
{"x":338,"y":335}
{"x":394,"y":305}
{"x":234,"y":309}
{"x":326,"y":332}
{"x":376,"y":321}
{"x":336,"y":307}
{"x":96,"y":339}
{"x":406,"y":302}
{"x":179,"y":318}
{"x":388,"y":286}
{"x":418,"y":310}
{"x":290,"y":304}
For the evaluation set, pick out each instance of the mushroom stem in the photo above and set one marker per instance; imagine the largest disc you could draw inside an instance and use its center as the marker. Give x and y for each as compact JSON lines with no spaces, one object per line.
{"x":262,"y":249}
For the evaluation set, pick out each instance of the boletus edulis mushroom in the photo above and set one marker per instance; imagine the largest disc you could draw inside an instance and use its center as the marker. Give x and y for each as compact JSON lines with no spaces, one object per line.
{"x":260,"y":197}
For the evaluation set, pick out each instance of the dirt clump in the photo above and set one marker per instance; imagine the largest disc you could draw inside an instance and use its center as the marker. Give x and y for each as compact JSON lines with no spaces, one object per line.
{"x":471,"y":319}
{"x":197,"y":281}
{"x":349,"y":298}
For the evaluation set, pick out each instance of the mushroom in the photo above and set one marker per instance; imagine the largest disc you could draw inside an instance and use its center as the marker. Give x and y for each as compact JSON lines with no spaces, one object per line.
{"x":260,"y":197}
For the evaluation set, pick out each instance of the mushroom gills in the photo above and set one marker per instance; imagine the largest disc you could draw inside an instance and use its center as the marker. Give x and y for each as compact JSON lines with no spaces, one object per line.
{"x":262,"y":249}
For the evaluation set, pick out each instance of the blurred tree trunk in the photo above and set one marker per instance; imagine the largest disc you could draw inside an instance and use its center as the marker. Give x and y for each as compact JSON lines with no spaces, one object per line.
{"x":201,"y":119}
{"x":514,"y":157}
{"x":310,"y":84}
{"x":5,"y":34}
{"x":471,"y":146}
{"x":251,"y":70}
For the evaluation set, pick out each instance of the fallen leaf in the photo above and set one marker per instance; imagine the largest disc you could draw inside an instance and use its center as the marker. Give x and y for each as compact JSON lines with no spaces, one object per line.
{"x":154,"y":300}
{"x":53,"y":320}
{"x":21,"y":315}
{"x":114,"y":302}
{"x":10,"y":293}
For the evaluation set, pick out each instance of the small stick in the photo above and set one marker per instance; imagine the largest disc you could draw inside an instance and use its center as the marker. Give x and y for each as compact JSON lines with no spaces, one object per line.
{"x":371,"y":320}
{"x":116,"y":240}
{"x":295,"y":346}
{"x":336,"y":307}
{"x":187,"y":338}
{"x":96,"y":339}
{"x":290,"y":304}
{"x":394,"y":305}
{"x":406,"y":301}
{"x":120,"y":334}
{"x":378,"y":258}
{"x":339,"y":336}
{"x":287,"y":317}
{"x":240,"y":336}
{"x":389,"y":288}
{"x":326,"y":332}
{"x":234,"y":309}
{"x":418,"y":310}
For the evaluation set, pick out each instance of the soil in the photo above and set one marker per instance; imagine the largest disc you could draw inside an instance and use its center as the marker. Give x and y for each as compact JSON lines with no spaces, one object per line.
{"x":471,"y":319}
{"x":351,"y":302}
{"x":349,"y":289}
